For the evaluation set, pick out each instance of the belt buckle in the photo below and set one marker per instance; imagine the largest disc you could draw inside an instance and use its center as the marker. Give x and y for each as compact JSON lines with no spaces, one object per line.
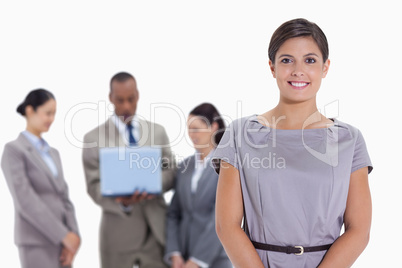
{"x":301,"y":250}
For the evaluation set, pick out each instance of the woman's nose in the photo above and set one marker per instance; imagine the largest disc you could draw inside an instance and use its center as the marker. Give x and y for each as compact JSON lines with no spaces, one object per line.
{"x":298,"y":70}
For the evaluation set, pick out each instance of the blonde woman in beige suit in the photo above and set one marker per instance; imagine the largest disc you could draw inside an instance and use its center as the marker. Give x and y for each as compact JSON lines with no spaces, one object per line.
{"x":46,"y":231}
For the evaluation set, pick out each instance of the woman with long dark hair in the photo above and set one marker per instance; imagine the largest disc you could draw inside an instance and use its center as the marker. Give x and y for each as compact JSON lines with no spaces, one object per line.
{"x":191,"y":237}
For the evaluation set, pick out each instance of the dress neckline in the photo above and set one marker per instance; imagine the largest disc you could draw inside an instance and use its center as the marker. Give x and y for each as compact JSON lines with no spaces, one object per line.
{"x":254,"y":118}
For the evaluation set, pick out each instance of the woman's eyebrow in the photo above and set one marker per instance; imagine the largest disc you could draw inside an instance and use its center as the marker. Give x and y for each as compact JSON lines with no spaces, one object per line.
{"x":286,"y":55}
{"x":290,"y":56}
{"x":310,"y":54}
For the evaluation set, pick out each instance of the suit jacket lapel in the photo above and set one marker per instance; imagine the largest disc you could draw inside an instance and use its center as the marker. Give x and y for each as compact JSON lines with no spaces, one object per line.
{"x":37,"y":158}
{"x":111,"y":133}
{"x":187,"y":182}
{"x":58,"y":181}
{"x":143,"y":130}
{"x":203,"y":183}
{"x":57,"y":162}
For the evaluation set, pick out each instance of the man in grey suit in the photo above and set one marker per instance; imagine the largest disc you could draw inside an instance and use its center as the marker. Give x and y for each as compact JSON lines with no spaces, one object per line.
{"x":132,"y":228}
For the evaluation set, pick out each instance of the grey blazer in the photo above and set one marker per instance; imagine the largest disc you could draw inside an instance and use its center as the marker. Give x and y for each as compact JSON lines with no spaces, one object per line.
{"x":44,"y":213}
{"x":121,"y":232}
{"x":191,"y":217}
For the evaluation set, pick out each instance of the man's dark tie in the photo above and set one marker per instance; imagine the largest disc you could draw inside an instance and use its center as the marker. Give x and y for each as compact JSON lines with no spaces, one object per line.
{"x":131,"y":138}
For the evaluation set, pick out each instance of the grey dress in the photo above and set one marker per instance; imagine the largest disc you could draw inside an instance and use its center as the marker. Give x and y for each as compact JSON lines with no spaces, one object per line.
{"x":294,"y":183}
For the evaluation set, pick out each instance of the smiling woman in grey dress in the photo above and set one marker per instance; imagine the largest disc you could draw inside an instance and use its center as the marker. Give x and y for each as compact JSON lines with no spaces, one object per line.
{"x":292,"y":174}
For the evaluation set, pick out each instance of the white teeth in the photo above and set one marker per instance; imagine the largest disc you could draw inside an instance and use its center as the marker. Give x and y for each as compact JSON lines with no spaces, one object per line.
{"x":299,"y":84}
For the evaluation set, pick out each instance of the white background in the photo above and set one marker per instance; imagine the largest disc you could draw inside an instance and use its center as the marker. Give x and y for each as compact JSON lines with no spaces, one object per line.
{"x":187,"y":52}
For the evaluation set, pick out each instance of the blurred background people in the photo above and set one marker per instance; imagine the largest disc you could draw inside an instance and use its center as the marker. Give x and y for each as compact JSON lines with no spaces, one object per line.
{"x":132,"y":228}
{"x":191,"y":237}
{"x":46,"y":230}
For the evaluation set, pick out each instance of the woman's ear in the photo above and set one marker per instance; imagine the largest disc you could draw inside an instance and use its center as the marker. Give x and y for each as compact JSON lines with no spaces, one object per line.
{"x":326,"y":68}
{"x":215,"y":126}
{"x":272,"y":68}
{"x":29,"y":110}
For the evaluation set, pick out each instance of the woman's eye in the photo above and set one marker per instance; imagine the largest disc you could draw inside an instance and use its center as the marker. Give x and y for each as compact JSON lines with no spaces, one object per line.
{"x":310,"y":60}
{"x":285,"y":60}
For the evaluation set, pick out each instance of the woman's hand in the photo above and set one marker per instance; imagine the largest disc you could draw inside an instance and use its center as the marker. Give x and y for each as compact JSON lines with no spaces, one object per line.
{"x":66,"y":257}
{"x":191,"y":264}
{"x":177,"y":261}
{"x":71,"y":242}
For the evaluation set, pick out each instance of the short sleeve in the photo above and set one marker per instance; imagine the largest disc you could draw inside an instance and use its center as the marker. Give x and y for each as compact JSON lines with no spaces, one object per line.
{"x":361,"y":157}
{"x":226,"y":149}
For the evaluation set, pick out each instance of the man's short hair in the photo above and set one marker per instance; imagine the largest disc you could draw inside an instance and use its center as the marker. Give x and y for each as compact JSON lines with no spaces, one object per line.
{"x":121,"y":77}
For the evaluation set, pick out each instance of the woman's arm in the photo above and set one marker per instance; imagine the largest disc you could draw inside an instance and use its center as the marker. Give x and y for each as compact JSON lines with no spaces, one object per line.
{"x":70,"y":218}
{"x":229,"y":214}
{"x":26,"y":201}
{"x":357,"y":220}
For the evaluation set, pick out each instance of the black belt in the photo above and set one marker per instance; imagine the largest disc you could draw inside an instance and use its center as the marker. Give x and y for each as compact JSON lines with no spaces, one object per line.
{"x":297,"y":250}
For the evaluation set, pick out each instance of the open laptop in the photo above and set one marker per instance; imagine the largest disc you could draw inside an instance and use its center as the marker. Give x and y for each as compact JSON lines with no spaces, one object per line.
{"x":124,"y":170}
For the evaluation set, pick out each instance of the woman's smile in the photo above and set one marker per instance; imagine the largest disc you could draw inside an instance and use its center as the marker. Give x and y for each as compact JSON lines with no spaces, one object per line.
{"x":298,"y":85}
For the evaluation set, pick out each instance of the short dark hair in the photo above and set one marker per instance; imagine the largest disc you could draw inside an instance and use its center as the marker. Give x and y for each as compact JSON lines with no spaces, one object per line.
{"x":121,"y":77}
{"x":298,"y":28}
{"x":211,"y":114}
{"x":35,"y":98}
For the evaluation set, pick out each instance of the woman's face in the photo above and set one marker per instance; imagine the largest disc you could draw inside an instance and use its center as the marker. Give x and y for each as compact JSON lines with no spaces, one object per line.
{"x":43,"y":117}
{"x":298,"y":69}
{"x":200,"y":132}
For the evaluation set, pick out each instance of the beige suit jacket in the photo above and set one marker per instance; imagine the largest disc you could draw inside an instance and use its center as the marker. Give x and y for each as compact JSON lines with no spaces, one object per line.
{"x":121,"y":232}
